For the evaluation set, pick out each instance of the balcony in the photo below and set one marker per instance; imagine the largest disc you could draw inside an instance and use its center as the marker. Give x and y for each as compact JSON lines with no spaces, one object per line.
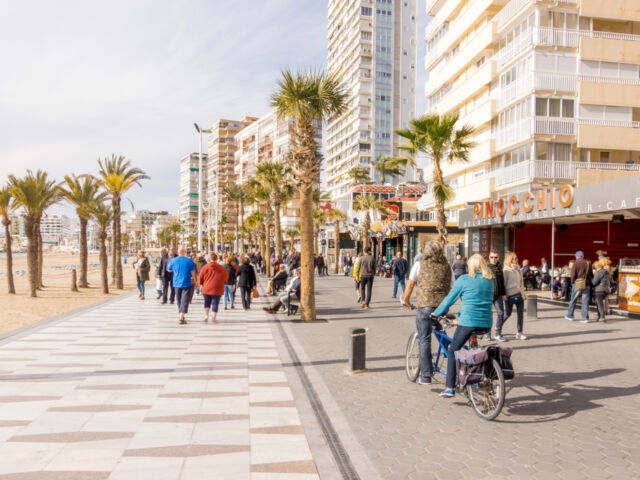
{"x":508,"y":13}
{"x":480,"y":115}
{"x":620,"y":9}
{"x":537,"y":36}
{"x":523,"y":129}
{"x":610,"y":46}
{"x":608,"y":134}
{"x":554,"y":126}
{"x":626,"y":92}
{"x":467,"y":89}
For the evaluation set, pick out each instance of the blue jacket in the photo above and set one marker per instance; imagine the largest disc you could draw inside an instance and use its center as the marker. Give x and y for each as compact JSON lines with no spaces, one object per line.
{"x":477,"y":301}
{"x":400,"y":267}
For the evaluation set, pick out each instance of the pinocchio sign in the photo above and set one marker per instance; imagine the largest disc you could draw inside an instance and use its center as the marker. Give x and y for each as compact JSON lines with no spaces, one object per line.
{"x":527,"y":202}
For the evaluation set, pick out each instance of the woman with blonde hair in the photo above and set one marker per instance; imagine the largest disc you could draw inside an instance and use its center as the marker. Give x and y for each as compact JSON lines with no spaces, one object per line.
{"x":515,"y":293}
{"x":475,"y":290}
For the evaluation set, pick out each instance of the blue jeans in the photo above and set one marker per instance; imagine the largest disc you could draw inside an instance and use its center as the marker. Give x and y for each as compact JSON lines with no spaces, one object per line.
{"x":586,"y":297}
{"x":229,"y":295}
{"x":425,"y":327}
{"x":397,"y":280}
{"x":141,"y":286}
{"x":460,"y":337}
{"x":498,"y":304}
{"x":518,"y":301}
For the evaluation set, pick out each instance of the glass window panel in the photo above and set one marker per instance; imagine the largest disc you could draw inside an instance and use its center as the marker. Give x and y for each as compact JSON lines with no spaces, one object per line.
{"x":545,"y":62}
{"x":558,"y":19}
{"x":541,"y":107}
{"x":554,"y":107}
{"x":545,"y":18}
{"x":608,"y":69}
{"x":572,"y":21}
{"x":542,"y":150}
{"x":567,"y":108}
{"x":588,"y":67}
{"x":628,"y":70}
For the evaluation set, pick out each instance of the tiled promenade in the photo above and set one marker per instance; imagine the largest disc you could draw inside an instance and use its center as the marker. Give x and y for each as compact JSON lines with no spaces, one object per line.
{"x":122,"y":391}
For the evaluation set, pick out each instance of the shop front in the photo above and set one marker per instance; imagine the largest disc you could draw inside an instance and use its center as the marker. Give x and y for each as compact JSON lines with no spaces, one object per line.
{"x":554,"y":223}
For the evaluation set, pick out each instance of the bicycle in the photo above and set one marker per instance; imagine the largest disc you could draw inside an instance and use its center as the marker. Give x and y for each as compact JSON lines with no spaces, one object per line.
{"x":487,"y":396}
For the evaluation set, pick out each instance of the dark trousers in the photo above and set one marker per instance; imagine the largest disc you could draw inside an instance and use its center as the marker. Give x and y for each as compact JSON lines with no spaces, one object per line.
{"x":245,"y":293}
{"x":166,"y":284}
{"x":424,"y":327}
{"x":519,"y":304}
{"x":366,"y":284}
{"x":461,"y":337}
{"x":183,"y":295}
{"x":498,"y":304}
{"x":601,"y":302}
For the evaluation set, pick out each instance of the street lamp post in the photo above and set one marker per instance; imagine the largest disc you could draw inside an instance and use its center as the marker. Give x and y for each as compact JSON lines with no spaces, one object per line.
{"x":200,"y":131}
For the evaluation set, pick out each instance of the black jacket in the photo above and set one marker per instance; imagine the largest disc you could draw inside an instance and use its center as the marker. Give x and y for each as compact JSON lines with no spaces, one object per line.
{"x":162,"y":266}
{"x":231,"y":279}
{"x":498,"y":280}
{"x":246,"y":276}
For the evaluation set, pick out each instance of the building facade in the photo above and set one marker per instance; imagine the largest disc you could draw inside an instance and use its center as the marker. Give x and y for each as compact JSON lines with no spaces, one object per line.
{"x":221,"y":161}
{"x":189,"y":194}
{"x":373,"y":52}
{"x":56,"y":229}
{"x":552,"y":89}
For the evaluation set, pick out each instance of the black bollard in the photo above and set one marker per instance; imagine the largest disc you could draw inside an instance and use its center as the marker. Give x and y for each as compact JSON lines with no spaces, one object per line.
{"x":358,"y":350}
{"x":532,"y":307}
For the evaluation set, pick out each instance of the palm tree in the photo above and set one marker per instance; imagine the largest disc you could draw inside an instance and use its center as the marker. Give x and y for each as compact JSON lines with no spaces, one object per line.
{"x":255,"y":223}
{"x":336,"y":216}
{"x":238,"y":195}
{"x":102,"y":214}
{"x":126,"y":239}
{"x":368,"y":204}
{"x":175,"y":229}
{"x":34,"y":193}
{"x":260,"y":197}
{"x":275,"y":177}
{"x":118,"y":176}
{"x":308,"y":98}
{"x":291,"y":233}
{"x":164,"y":237}
{"x":359,"y":174}
{"x":439,"y":139}
{"x":83,"y":192}
{"x":388,"y":166}
{"x":6,"y":205}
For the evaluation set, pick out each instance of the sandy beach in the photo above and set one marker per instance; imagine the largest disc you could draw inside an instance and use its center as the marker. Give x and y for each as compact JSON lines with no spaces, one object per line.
{"x":56,"y":298}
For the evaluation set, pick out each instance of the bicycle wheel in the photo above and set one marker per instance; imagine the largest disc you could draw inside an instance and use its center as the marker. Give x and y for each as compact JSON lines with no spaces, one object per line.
{"x":412,"y":360}
{"x":487,"y":397}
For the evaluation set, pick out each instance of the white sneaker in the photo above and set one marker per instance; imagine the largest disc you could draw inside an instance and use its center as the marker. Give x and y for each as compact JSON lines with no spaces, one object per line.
{"x":584,"y":321}
{"x":568,"y":318}
{"x":487,"y":337}
{"x":521,"y":336}
{"x":500,"y":338}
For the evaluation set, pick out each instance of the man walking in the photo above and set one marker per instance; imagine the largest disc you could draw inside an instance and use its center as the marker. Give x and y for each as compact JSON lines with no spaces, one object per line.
{"x":499,"y":292}
{"x":581,"y":274}
{"x":165,"y":275}
{"x":459,"y":267}
{"x":366,"y":272}
{"x":399,"y":270}
{"x":184,"y":278}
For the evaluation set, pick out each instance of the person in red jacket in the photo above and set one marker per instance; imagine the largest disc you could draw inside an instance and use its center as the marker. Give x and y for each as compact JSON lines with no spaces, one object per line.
{"x":211,"y":279}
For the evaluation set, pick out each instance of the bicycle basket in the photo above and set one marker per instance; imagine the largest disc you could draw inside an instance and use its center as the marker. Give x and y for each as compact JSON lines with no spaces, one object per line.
{"x":470,"y":365}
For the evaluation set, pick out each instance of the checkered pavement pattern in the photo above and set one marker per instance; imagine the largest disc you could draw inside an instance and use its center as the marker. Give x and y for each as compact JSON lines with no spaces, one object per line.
{"x":123,"y":392}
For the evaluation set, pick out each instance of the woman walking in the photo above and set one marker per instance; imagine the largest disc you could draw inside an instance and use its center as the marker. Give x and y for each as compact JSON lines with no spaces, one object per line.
{"x":602,"y":284}
{"x":230,"y":284}
{"x":142,"y":268}
{"x":247,"y":280}
{"x":515,"y":296}
{"x":211,"y":281}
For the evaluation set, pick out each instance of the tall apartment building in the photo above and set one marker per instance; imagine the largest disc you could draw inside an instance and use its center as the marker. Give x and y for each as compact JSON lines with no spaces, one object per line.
{"x":189,"y":174}
{"x":222,"y":147}
{"x":373,"y":51}
{"x":56,"y":229}
{"x":268,"y":139}
{"x":552,"y":88}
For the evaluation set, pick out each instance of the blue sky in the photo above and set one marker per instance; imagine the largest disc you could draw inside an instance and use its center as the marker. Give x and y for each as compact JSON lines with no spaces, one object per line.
{"x":83,"y":79}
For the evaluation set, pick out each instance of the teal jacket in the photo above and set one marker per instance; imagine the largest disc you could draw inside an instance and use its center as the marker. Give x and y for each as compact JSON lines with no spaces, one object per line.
{"x":477,"y":301}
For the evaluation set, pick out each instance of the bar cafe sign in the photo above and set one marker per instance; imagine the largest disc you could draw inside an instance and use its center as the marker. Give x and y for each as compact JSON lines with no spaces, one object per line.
{"x":564,"y":201}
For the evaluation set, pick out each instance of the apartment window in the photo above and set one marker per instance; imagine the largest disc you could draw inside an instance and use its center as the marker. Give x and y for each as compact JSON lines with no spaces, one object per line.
{"x":554,"y":107}
{"x":606,"y":112}
{"x":365,"y":147}
{"x":604,"y":157}
{"x":556,"y":152}
{"x":366,"y":11}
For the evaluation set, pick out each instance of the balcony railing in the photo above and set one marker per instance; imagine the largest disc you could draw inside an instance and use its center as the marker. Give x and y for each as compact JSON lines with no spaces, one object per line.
{"x":554,"y":126}
{"x":514,"y":6}
{"x":550,"y":170}
{"x":546,"y":36}
{"x":610,"y":123}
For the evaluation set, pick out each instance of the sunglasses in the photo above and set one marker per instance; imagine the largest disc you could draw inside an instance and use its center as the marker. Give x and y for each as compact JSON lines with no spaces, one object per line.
{"x":493,"y":257}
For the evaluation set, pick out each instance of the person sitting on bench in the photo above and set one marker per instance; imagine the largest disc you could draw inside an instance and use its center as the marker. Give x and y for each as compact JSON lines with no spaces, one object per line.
{"x":285,"y":298}
{"x":279,"y":280}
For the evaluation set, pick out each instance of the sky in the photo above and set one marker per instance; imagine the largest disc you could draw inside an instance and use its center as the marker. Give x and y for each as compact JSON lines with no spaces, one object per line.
{"x":81,"y":80}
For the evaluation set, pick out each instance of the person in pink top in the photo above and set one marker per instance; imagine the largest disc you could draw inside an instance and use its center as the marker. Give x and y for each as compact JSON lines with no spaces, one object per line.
{"x":211,"y":280}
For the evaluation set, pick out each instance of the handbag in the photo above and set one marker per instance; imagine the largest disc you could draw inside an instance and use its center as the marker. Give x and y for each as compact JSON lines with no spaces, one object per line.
{"x":254,"y":293}
{"x":158,"y":284}
{"x":580,"y":283}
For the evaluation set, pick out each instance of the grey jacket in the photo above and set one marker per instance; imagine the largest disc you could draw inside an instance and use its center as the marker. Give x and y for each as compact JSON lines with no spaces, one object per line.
{"x":602,"y":281}
{"x":367,"y":266}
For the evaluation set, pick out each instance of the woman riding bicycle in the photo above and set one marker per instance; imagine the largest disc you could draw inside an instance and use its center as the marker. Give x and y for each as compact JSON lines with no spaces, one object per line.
{"x":475,"y":289}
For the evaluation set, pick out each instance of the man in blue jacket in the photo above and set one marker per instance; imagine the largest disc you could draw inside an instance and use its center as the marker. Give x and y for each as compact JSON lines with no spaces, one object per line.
{"x":399,"y":270}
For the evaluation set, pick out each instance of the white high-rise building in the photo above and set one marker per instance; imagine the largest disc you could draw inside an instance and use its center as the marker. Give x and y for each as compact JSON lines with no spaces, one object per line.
{"x":373,"y":52}
{"x":189,"y":178}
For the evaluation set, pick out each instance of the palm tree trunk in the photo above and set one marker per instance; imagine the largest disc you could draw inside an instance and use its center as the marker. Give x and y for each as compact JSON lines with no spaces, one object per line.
{"x":242,"y":222}
{"x":307,"y":298}
{"x":7,"y":235}
{"x":261,"y":245}
{"x":277,"y":234}
{"x":236,"y":240}
{"x":104,"y":259}
{"x":366,"y":226}
{"x":267,"y":251}
{"x":441,"y":223}
{"x":114,"y":227}
{"x":40,"y":255}
{"x":316,"y":235}
{"x":32,"y":253}
{"x":83,"y":253}
{"x":118,"y":259}
{"x":336,"y":245}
